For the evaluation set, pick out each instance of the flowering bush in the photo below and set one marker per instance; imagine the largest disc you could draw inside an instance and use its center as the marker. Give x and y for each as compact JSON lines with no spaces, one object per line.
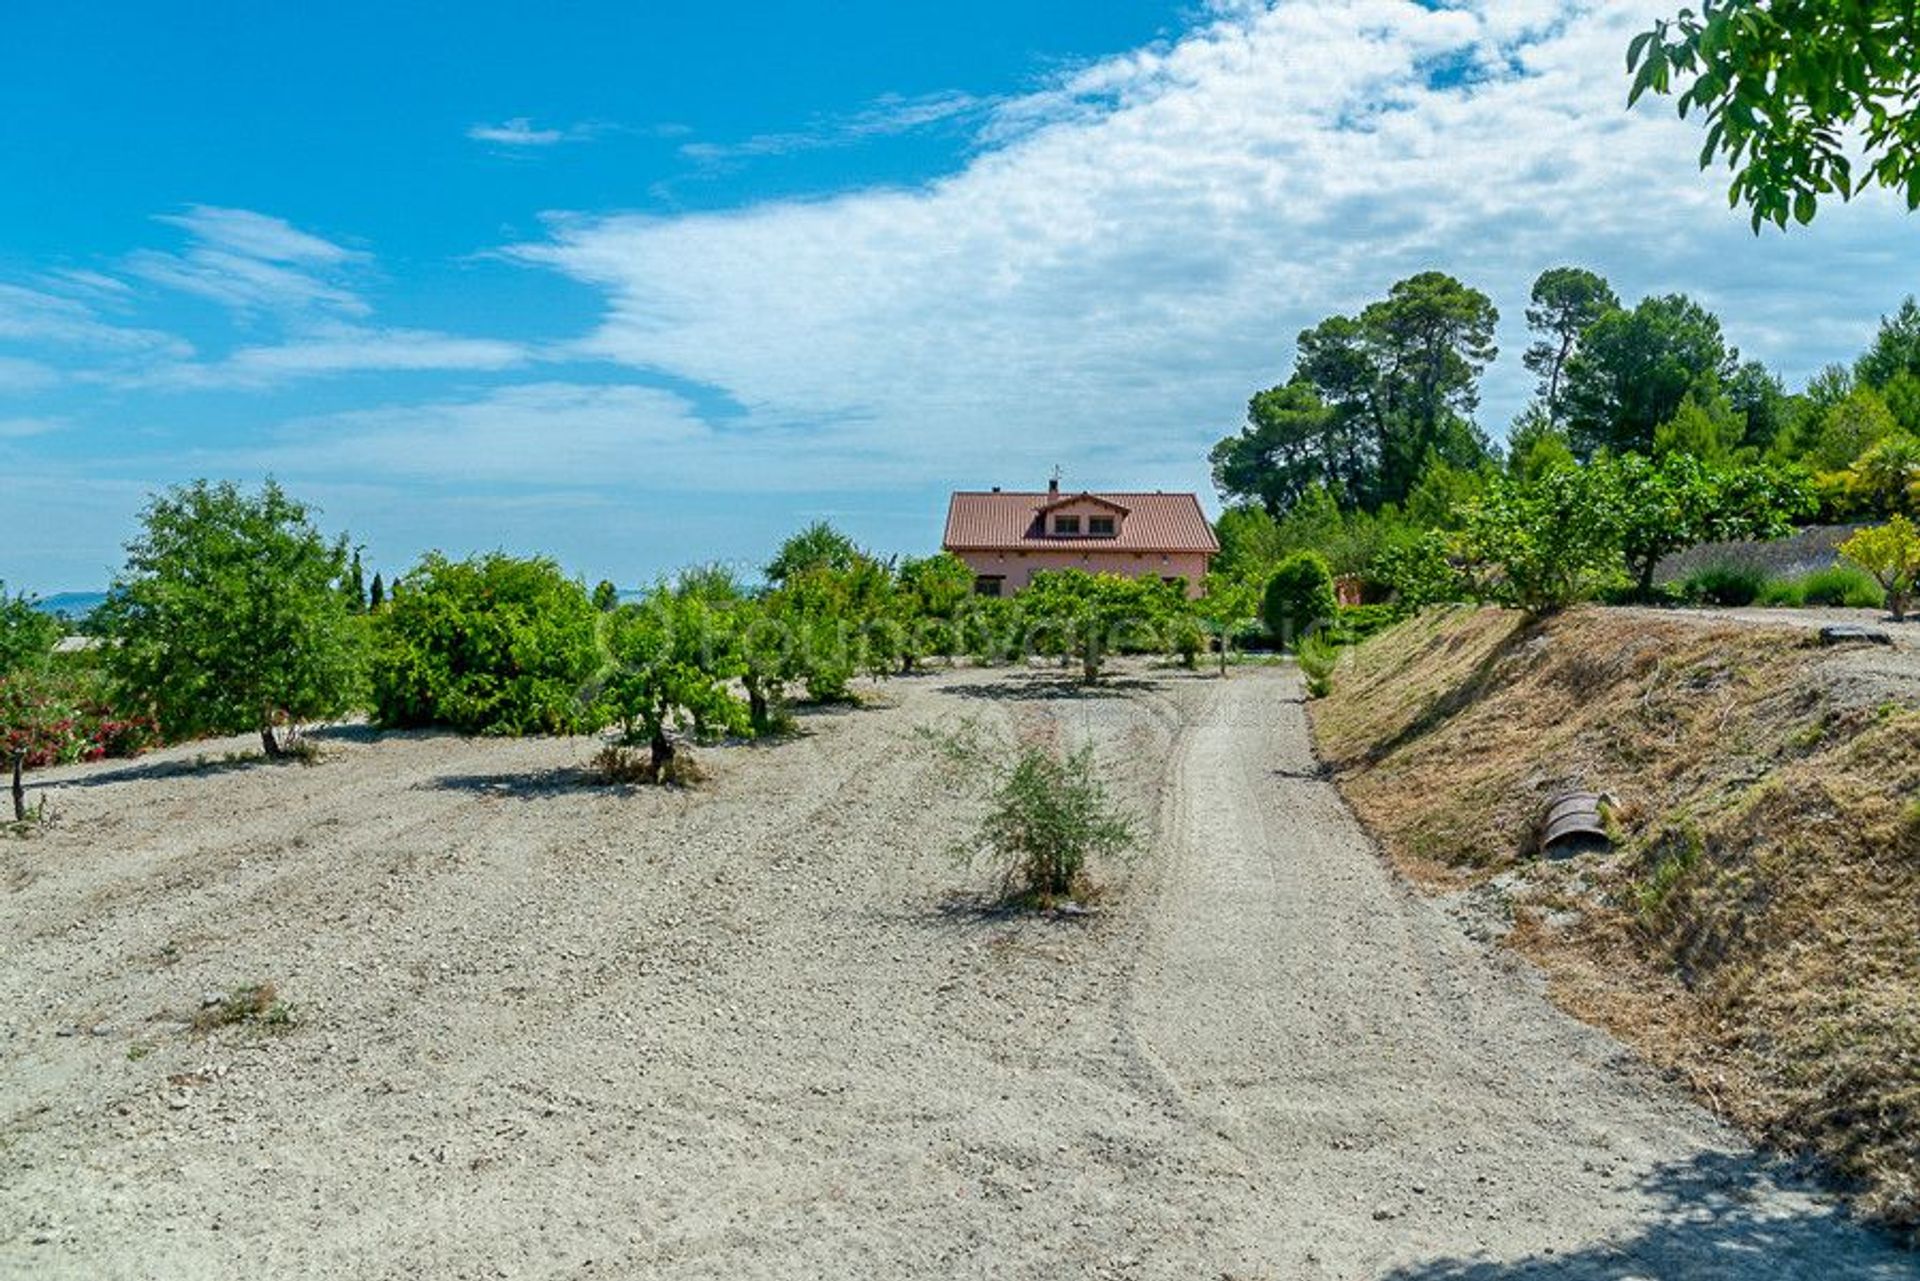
{"x":57,"y":720}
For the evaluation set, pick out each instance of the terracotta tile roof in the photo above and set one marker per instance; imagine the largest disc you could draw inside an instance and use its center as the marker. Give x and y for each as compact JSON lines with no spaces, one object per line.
{"x":1001,"y":521}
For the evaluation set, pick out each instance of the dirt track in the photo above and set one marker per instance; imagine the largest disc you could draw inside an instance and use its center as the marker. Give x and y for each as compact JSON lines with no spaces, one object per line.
{"x":757,"y":1031}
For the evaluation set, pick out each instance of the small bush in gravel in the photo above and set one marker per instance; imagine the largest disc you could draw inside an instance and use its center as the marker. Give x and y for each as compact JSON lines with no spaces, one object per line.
{"x":1047,"y":814}
{"x":255,"y":1003}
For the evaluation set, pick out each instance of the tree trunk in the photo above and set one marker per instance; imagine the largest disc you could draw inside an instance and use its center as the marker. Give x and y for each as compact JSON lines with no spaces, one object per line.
{"x":271,"y":743}
{"x":1897,"y":605}
{"x":1223,"y":656}
{"x":663,"y":753}
{"x":757,"y":709}
{"x":1090,"y":661}
{"x":19,"y":787}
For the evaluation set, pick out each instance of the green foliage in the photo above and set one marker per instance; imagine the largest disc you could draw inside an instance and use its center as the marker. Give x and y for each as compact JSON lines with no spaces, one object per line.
{"x":1895,"y":353}
{"x":1286,"y":447}
{"x":1634,"y":369}
{"x":1250,"y":542}
{"x":1227,"y":607}
{"x":59,"y":715}
{"x":1373,"y":399}
{"x":1318,"y":656}
{"x":1725,"y":585}
{"x":606,"y":597}
{"x":1299,"y":599}
{"x":1420,"y":572}
{"x":674,"y":656}
{"x":1536,"y":446}
{"x":1885,"y":479}
{"x":377,"y":595}
{"x":229,"y":615}
{"x":1071,"y":612}
{"x":1667,"y":506}
{"x":931,"y":594}
{"x":1547,"y":543}
{"x":1703,"y":428}
{"x":27,"y":635}
{"x":818,"y":546}
{"x":1047,"y":814}
{"x":1355,"y":623}
{"x":1564,"y":303}
{"x":1847,"y":430}
{"x":1891,"y":553}
{"x":489,"y":645}
{"x":1793,"y":91}
{"x":1840,"y":585}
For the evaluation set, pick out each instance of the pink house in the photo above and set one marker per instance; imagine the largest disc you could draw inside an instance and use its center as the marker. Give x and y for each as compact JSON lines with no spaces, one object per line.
{"x":1007,"y":538}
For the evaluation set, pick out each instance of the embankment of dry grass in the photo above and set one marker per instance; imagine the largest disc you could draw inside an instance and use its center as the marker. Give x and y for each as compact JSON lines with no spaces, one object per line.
{"x":1758,"y":929}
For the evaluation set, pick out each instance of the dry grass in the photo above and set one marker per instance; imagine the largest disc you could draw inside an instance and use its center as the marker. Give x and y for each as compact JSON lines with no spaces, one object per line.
{"x":1755,"y":933}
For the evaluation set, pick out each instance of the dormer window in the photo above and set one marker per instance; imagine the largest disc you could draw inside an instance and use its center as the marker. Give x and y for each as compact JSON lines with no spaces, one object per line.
{"x":1100,"y":526}
{"x":1066,"y":524}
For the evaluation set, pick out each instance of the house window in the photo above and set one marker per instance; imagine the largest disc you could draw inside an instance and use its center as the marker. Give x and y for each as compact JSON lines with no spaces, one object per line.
{"x":1100,"y":526}
{"x":988,"y":584}
{"x":1066,"y":524}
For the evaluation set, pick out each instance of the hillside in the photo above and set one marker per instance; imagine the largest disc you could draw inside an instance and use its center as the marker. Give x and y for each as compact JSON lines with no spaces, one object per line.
{"x":1754,"y":930}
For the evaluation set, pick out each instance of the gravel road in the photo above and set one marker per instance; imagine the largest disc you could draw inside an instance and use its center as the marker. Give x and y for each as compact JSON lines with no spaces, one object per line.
{"x":765,"y":1029}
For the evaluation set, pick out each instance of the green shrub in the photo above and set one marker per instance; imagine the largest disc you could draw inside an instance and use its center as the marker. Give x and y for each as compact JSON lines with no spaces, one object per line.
{"x":1047,"y":814}
{"x":1299,"y":598}
{"x":1729,"y":585}
{"x":1841,"y":585}
{"x":1838,"y":586}
{"x":27,"y":635}
{"x":1318,"y":656}
{"x":488,"y":645}
{"x":1355,"y":623}
{"x":1420,"y":572}
{"x":229,"y":615}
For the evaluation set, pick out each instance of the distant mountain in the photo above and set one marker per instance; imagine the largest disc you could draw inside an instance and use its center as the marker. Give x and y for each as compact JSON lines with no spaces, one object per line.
{"x":72,"y":604}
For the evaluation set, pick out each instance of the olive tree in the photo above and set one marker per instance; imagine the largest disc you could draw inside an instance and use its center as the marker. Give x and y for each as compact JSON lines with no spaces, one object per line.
{"x":1072,"y":612}
{"x":229,"y":615}
{"x":674,"y":655}
{"x":1228,"y":605}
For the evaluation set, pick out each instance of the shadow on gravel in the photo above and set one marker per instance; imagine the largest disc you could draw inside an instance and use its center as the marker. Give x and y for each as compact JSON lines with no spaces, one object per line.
{"x":1717,"y":1223}
{"x":1046,"y":687}
{"x":521,"y":785}
{"x":135,"y":771}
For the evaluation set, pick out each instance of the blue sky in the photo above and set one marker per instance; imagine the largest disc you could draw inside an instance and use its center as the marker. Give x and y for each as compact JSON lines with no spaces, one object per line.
{"x":637,"y":285}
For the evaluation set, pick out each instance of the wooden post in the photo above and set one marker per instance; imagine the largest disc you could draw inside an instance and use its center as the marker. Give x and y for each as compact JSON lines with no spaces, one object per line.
{"x":19,"y":787}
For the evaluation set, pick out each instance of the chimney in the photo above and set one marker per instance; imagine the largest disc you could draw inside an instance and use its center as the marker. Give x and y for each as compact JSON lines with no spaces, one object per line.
{"x":1053,"y":486}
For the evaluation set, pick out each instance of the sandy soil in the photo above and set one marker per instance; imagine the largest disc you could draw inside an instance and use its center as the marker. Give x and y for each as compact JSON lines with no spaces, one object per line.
{"x":762,"y":1030}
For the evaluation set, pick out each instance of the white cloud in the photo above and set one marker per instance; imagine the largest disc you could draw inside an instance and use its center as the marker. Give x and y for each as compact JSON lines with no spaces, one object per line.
{"x":31,"y":316}
{"x":251,"y":262}
{"x":1134,"y":249}
{"x":256,"y":235}
{"x":519,"y":132}
{"x":16,"y":428}
{"x":25,"y":375}
{"x":337,"y":349}
{"x":887,"y":117}
{"x":633,"y":438}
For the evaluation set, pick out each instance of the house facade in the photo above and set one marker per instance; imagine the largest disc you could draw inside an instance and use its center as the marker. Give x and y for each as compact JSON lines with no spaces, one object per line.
{"x":1007,"y":537}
